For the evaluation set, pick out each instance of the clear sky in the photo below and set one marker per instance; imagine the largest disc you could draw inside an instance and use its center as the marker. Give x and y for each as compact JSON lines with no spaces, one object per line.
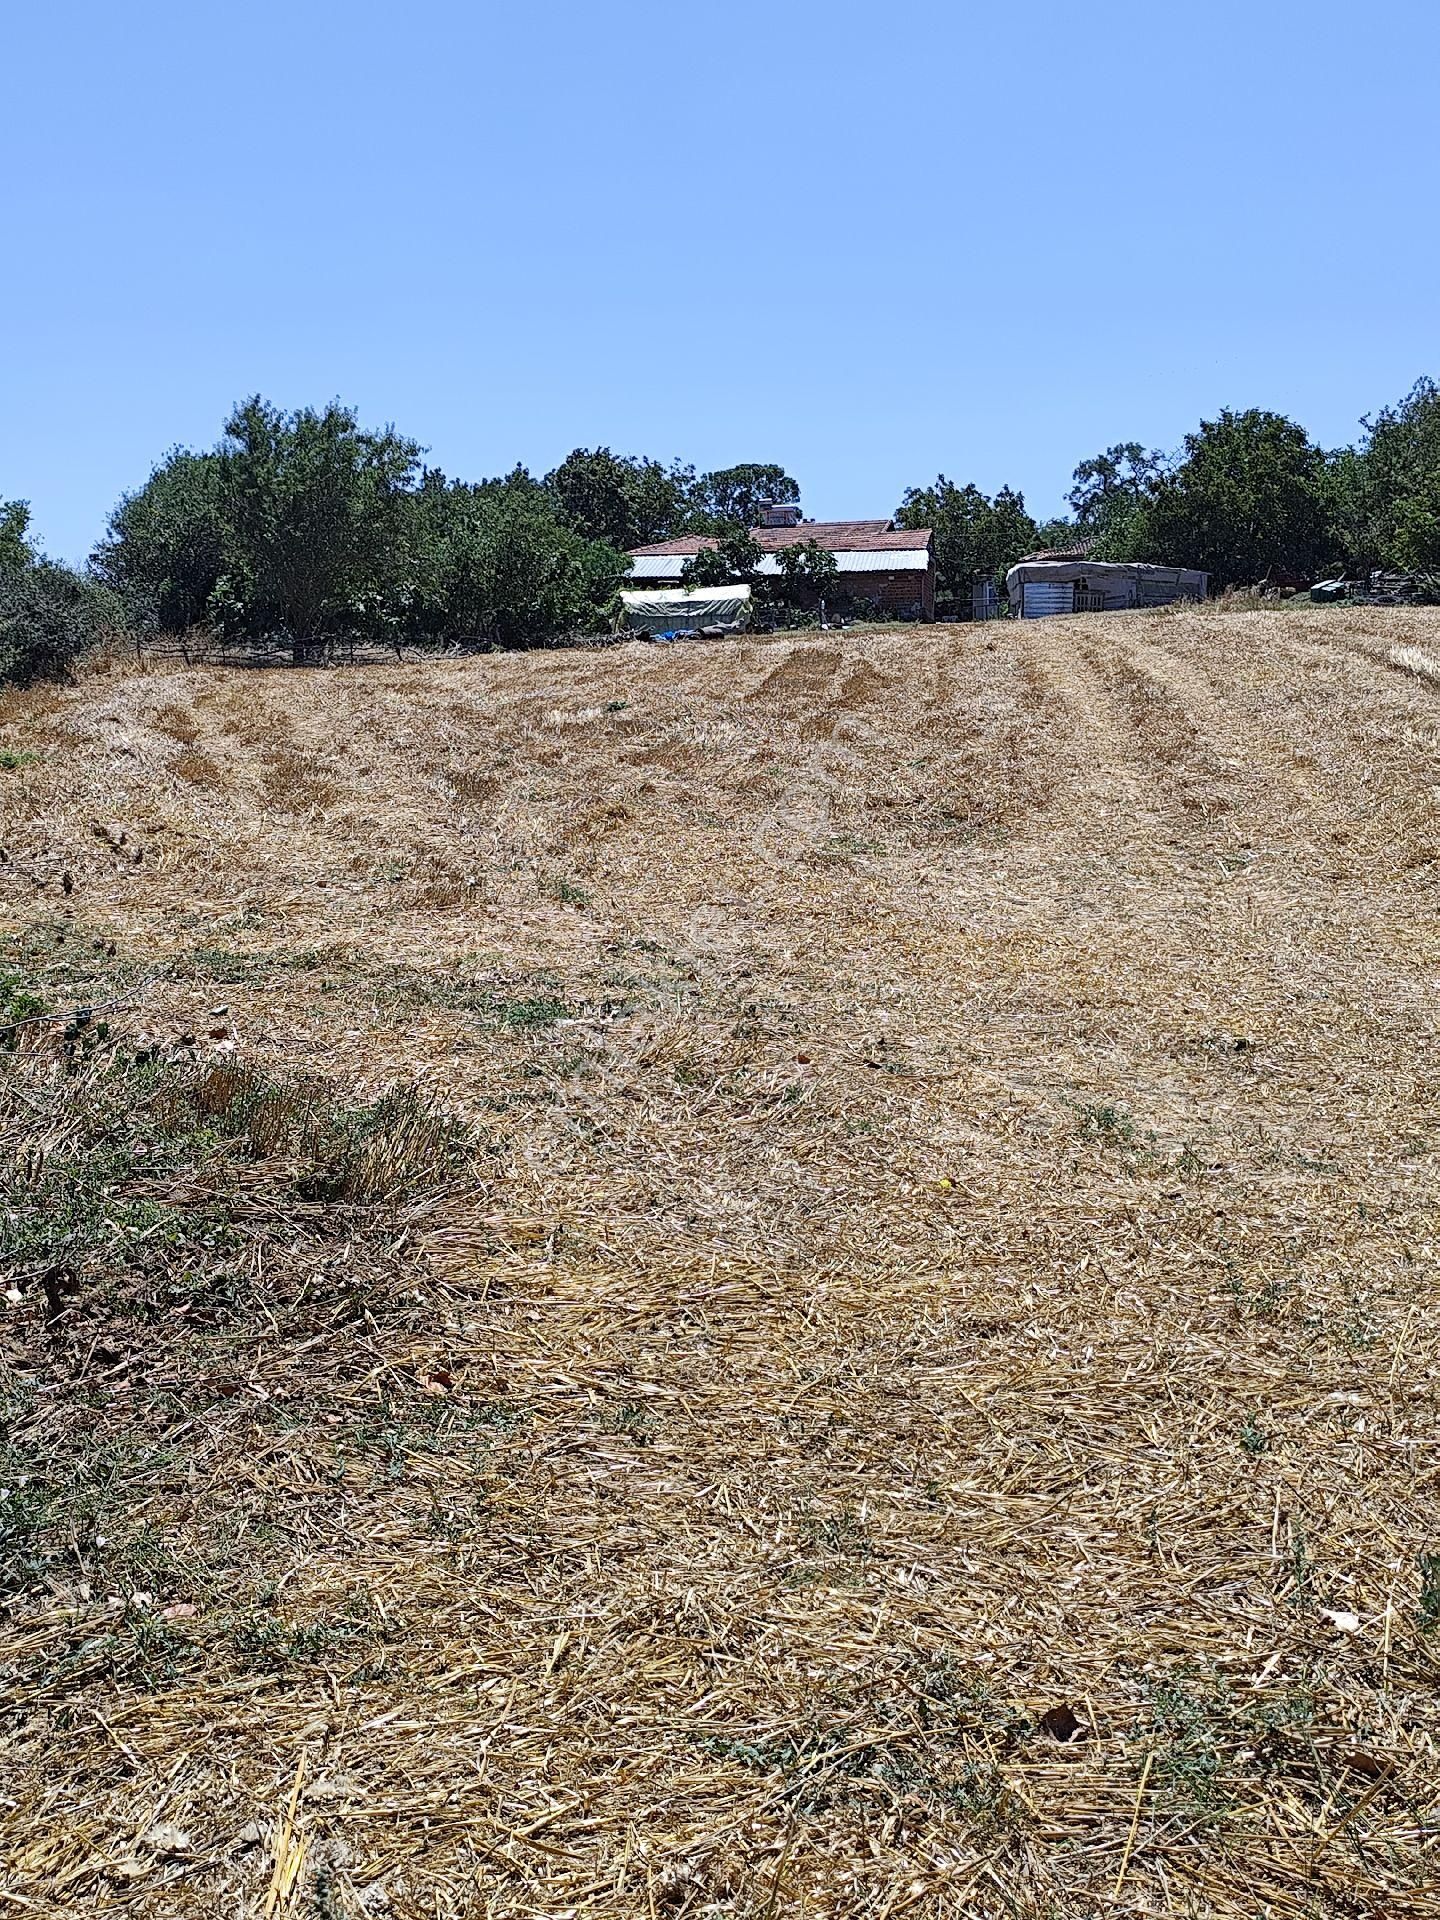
{"x":872,"y":243}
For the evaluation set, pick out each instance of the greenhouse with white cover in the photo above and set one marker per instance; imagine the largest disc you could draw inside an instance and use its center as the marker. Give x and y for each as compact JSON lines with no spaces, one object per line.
{"x":665,"y":610}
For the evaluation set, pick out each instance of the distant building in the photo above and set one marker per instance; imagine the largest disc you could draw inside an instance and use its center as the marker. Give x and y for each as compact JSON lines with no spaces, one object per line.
{"x":885,"y":570}
{"x":1064,"y":581}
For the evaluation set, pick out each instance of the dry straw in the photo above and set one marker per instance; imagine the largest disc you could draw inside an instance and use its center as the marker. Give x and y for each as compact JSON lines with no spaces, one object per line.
{"x":919,"y":1398}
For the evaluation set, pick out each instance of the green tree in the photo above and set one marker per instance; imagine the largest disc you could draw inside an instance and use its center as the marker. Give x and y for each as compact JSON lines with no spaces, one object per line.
{"x":495,"y":563}
{"x":309,"y":526}
{"x":540,"y":580}
{"x":49,"y":614}
{"x":15,"y":553}
{"x":165,"y":548}
{"x":808,"y":572}
{"x":620,"y":499}
{"x":444,"y":596}
{"x":316,"y":523}
{"x":735,"y":496}
{"x":1387,"y":492}
{"x":1058,"y":532}
{"x":1415,"y":543}
{"x":707,"y":568}
{"x":976,"y":537}
{"x":1108,"y":490}
{"x":1251,"y":497}
{"x":732,"y":556}
{"x":49,"y":617}
{"x":295,"y":524}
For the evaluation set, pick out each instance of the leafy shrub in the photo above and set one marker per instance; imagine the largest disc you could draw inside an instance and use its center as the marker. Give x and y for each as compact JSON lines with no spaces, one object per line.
{"x":307,"y":526}
{"x":164,"y":553}
{"x":807,"y":570}
{"x":735,"y":556}
{"x":49,"y":617}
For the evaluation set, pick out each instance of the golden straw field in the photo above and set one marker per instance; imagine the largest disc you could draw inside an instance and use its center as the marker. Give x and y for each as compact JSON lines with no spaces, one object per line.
{"x":792,"y":1277}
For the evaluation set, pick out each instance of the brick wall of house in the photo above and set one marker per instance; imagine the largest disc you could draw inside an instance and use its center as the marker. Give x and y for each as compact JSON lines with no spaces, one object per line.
{"x":893,"y":595}
{"x":908,"y":596}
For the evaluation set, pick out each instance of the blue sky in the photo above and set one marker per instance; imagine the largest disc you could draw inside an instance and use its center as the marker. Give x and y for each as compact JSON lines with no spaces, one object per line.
{"x":870,"y":243}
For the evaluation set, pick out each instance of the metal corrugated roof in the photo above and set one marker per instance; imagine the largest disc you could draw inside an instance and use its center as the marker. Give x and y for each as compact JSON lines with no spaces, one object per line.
{"x":840,"y":536}
{"x":1025,"y":571}
{"x":883,"y":560}
{"x":657,"y":566}
{"x":668,"y":566}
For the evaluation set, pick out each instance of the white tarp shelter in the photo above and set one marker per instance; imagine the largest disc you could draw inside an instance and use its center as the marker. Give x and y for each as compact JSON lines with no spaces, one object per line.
{"x":1040,"y":587}
{"x":686,"y":609}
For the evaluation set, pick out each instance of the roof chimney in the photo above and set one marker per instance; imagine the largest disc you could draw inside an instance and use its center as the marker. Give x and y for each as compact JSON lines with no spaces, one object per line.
{"x":780,"y":513}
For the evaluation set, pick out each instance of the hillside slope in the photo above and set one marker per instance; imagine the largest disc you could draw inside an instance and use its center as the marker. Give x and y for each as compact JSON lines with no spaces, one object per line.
{"x":921,"y":1395}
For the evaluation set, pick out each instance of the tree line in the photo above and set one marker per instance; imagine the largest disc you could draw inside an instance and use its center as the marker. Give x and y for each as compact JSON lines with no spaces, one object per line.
{"x":309,"y":527}
{"x":1249,"y":498}
{"x":306,"y":527}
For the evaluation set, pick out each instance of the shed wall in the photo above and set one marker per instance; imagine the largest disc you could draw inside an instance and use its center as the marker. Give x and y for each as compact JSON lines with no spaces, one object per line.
{"x":1041,"y":588}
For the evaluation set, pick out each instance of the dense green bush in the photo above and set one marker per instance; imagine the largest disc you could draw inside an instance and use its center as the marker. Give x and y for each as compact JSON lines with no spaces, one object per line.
{"x":496,"y":564}
{"x":165,"y":548}
{"x":48,"y":618}
{"x":528,"y":578}
{"x":49,"y":615}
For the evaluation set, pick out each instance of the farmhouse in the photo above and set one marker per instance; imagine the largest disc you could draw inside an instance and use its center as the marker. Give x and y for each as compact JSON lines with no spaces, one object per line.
{"x":1066,"y":582}
{"x":884,"y":569}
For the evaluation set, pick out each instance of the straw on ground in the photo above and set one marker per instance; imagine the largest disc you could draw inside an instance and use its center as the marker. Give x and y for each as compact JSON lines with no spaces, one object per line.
{"x":793,"y":1277}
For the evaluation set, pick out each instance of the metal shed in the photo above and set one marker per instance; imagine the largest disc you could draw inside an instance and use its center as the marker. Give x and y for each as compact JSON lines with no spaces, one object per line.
{"x":1038,"y":588}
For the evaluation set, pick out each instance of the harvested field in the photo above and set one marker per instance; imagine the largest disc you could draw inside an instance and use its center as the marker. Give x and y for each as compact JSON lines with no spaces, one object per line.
{"x":782,"y":1278}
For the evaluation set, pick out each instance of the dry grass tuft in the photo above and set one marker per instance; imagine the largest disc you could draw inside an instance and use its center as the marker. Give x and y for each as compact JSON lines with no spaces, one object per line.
{"x":1415,"y":660}
{"x":789,"y":1277}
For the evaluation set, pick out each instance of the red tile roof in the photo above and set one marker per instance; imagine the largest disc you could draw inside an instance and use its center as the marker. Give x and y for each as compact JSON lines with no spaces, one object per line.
{"x":838,"y":536}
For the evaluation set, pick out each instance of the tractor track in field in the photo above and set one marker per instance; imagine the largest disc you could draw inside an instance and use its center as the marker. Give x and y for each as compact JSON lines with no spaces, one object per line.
{"x":925,"y":1395}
